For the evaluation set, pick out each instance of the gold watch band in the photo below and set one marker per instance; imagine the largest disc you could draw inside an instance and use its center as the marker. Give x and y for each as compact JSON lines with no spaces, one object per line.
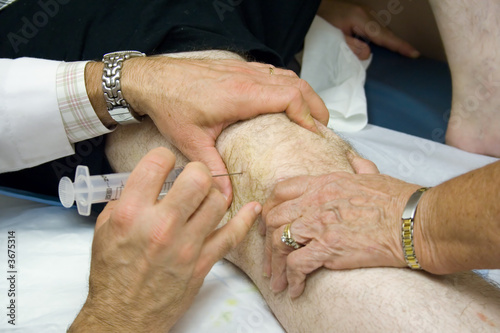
{"x":408,"y":220}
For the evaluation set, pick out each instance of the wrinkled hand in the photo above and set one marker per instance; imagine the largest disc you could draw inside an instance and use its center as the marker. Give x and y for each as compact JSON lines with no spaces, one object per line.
{"x":355,"y":20}
{"x":192,"y":101}
{"x":344,"y":220}
{"x":149,"y":256}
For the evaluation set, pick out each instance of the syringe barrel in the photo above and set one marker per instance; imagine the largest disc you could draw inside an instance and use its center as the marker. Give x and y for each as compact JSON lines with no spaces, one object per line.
{"x":103,"y":188}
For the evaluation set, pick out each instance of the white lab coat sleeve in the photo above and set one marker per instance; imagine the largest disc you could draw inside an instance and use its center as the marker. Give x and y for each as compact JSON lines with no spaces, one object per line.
{"x":31,"y":128}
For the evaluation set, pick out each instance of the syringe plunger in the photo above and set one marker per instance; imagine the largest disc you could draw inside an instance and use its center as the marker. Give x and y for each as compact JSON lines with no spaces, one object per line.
{"x":87,"y":190}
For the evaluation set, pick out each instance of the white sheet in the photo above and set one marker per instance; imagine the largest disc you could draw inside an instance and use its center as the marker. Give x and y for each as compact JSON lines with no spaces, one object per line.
{"x":53,"y":248}
{"x":339,"y":79}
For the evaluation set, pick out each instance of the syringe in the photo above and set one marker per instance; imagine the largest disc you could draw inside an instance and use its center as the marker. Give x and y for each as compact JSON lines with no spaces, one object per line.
{"x":87,"y":190}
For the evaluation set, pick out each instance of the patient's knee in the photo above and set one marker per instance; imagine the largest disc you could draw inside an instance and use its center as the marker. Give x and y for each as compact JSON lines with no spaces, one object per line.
{"x":270,"y":148}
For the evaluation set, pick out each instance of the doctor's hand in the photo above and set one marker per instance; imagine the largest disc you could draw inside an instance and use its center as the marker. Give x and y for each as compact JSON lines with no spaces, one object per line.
{"x":149,"y":256}
{"x":343,"y":220}
{"x":355,"y":20}
{"x":192,"y":101}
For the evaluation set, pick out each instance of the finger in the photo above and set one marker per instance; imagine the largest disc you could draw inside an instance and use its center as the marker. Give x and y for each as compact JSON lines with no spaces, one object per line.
{"x":284,"y":213}
{"x":262,"y":227}
{"x":268,"y":252}
{"x":278,"y":211}
{"x":280,"y":251}
{"x":285,"y":93}
{"x":146,"y":180}
{"x":358,"y":47}
{"x":266,"y":69}
{"x":293,"y":96}
{"x":188,"y":192}
{"x":316,"y":107}
{"x":291,"y":100}
{"x":299,"y":264}
{"x":286,"y":190}
{"x":207,"y":216}
{"x":221,"y":241}
{"x":249,"y":68}
{"x":279,"y":216}
{"x":361,"y":165}
{"x":212,"y":159}
{"x":386,"y":38}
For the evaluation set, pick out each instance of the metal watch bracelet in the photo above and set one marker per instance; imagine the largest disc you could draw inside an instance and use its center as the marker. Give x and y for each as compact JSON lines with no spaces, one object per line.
{"x":118,"y":107}
{"x":407,"y":222}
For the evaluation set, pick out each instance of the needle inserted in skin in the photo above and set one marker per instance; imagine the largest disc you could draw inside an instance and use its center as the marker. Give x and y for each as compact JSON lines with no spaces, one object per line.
{"x":229,"y":174}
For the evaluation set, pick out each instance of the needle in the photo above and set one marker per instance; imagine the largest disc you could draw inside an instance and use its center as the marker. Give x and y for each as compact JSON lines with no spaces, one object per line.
{"x":229,"y":174}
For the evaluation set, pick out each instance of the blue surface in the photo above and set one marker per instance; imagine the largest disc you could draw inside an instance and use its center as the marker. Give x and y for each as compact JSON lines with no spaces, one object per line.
{"x":408,"y":95}
{"x":20,"y":194}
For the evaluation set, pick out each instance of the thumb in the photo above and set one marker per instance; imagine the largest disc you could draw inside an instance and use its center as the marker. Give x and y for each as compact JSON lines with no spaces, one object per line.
{"x":361,"y":165}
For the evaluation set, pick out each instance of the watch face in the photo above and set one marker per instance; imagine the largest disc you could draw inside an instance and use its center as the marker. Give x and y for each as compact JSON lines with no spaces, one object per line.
{"x":124,"y":116}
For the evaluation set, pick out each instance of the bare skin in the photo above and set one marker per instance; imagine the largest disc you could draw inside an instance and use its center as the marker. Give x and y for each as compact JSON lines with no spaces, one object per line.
{"x":364,"y":299}
{"x":354,"y":20}
{"x":269,"y":149}
{"x":349,"y":221}
{"x":178,"y":93}
{"x":143,"y":245}
{"x":470,"y":31}
{"x":179,"y":96}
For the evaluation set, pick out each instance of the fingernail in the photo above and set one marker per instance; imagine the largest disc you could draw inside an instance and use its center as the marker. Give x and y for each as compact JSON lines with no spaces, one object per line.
{"x":311,"y":123}
{"x":257,"y":209}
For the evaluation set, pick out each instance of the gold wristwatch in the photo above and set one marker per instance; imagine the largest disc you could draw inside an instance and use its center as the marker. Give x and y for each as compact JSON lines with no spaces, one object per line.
{"x":407,"y":221}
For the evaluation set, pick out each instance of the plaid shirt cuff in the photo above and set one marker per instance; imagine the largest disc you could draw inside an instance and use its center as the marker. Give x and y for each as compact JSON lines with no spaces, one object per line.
{"x":79,"y":118}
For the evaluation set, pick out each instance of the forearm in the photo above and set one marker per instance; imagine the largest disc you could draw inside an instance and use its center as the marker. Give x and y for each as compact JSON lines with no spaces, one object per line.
{"x":458,"y":223}
{"x":100,"y":317}
{"x":85,"y":322}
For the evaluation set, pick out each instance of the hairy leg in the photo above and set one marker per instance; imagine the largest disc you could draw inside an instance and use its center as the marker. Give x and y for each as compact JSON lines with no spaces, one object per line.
{"x":470,"y":30}
{"x":269,"y":148}
{"x":383,"y":299}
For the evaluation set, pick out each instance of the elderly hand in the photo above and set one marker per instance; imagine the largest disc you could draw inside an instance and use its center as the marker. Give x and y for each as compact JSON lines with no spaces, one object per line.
{"x":149,"y":256}
{"x":355,"y":20}
{"x":345,"y":221}
{"x":192,"y":101}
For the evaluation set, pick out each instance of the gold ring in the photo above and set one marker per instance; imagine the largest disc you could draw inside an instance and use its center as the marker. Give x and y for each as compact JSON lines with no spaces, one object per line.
{"x":288,"y":239}
{"x":271,"y":70}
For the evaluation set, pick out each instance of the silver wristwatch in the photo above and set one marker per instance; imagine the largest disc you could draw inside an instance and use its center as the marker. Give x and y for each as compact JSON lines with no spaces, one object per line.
{"x":118,"y":107}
